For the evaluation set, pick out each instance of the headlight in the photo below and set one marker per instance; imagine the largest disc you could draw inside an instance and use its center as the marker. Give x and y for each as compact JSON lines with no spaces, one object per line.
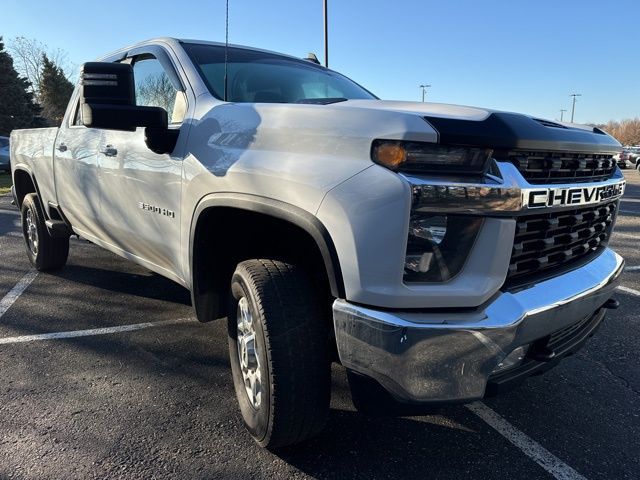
{"x":421,"y":157}
{"x":438,"y":246}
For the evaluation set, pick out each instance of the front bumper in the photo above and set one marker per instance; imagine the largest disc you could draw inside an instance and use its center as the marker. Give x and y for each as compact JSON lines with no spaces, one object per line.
{"x":444,"y":356}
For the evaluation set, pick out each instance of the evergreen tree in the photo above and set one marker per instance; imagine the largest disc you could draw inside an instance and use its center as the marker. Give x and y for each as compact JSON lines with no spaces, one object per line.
{"x":17,"y":108}
{"x":55,"y":91}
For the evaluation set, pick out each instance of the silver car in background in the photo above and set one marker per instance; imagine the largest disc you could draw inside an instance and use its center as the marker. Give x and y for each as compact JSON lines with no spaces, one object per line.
{"x":5,"y":164}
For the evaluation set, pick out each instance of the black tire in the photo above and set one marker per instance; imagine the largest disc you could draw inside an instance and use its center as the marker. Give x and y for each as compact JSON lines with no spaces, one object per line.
{"x":291,"y":341}
{"x":47,"y":252}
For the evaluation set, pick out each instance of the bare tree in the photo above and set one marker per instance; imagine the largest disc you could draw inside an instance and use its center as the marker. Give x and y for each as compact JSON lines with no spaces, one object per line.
{"x":158,"y":91}
{"x":28,"y":54}
{"x":625,"y":131}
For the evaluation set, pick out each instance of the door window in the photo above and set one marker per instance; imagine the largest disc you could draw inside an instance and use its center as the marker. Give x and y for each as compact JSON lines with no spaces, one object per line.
{"x":154,"y":88}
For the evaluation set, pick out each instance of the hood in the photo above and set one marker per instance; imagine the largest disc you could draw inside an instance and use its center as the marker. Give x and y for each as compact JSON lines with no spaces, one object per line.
{"x":480,"y":127}
{"x":423,"y":108}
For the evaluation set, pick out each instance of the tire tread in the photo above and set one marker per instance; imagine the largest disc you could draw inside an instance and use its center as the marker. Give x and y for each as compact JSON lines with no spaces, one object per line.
{"x":296,"y":336}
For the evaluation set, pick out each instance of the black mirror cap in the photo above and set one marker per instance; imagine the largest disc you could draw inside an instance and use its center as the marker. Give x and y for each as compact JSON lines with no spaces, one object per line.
{"x":122,"y":117}
{"x":107,"y":83}
{"x":161,"y":140}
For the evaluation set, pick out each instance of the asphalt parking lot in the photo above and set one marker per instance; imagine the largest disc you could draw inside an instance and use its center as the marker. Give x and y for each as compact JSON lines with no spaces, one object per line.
{"x":156,"y":401}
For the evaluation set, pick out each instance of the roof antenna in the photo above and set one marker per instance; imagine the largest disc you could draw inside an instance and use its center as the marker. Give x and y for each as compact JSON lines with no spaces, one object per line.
{"x":226,"y":51}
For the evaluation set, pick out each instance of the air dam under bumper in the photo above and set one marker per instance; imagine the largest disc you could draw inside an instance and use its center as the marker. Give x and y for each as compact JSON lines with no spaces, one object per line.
{"x":442,"y":357}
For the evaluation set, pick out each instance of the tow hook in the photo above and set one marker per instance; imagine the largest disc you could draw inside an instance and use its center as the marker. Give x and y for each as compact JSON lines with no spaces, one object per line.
{"x":611,"y":304}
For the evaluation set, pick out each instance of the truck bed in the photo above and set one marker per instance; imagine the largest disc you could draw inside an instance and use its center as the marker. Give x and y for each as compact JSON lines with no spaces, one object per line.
{"x":33,"y":149}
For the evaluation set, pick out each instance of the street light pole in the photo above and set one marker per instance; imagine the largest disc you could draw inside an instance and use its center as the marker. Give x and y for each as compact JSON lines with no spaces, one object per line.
{"x":326,"y":36}
{"x":573,"y":106}
{"x":424,"y":89}
{"x":562,"y":110}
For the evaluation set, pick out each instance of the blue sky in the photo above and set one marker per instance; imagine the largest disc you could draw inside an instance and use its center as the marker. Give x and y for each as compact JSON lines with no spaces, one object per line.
{"x":524,"y":56}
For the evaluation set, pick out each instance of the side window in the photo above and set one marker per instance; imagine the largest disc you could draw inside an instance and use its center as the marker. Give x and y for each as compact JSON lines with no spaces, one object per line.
{"x":77,"y":121}
{"x":154,"y":89}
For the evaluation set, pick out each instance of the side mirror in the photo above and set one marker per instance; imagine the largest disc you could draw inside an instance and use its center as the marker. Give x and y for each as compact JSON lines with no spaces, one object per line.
{"x":108,"y":101}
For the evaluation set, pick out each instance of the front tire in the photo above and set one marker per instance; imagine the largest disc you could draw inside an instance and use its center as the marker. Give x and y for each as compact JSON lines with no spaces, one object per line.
{"x":44,"y":251}
{"x":278,"y":345}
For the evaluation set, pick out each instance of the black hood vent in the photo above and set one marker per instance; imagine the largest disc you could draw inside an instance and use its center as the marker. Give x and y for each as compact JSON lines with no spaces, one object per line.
{"x":512,"y":131}
{"x":549,"y":123}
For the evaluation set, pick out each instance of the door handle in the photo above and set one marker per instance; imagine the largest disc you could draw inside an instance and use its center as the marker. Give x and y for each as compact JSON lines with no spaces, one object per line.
{"x":109,"y":151}
{"x":62,"y":147}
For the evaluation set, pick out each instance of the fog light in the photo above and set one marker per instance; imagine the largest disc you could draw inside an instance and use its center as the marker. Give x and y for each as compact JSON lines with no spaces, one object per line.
{"x":438,"y":246}
{"x":512,"y":360}
{"x":419,"y":263}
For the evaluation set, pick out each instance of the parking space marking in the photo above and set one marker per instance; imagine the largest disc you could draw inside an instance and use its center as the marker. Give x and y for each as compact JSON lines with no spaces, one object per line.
{"x":526,"y":444}
{"x":632,"y":269}
{"x":629,"y":290}
{"x":633,"y":200}
{"x":13,"y":294}
{"x":93,"y":331}
{"x":626,"y":235}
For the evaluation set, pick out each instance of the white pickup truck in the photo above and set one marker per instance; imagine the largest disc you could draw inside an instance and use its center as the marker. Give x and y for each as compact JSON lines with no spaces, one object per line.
{"x":441,"y":253}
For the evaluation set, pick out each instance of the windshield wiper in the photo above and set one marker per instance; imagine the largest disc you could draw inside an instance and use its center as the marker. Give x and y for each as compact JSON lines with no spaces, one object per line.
{"x":322,"y":101}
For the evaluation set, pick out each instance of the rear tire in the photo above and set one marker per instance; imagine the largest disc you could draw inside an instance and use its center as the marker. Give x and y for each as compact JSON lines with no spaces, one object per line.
{"x":278,"y":345}
{"x":44,"y":251}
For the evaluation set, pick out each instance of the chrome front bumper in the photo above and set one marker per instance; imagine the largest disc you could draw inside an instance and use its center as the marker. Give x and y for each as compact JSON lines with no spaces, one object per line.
{"x":445,"y":356}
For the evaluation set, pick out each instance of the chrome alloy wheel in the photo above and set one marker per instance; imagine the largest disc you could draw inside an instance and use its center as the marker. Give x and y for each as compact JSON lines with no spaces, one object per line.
{"x":248,"y":353}
{"x":32,"y":232}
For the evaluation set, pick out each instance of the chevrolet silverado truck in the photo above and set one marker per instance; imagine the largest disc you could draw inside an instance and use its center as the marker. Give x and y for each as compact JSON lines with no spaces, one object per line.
{"x":440,"y":253}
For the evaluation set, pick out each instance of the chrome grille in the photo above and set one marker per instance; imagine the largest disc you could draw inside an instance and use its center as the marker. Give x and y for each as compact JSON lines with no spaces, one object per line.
{"x":547,"y":243}
{"x":560,"y":167}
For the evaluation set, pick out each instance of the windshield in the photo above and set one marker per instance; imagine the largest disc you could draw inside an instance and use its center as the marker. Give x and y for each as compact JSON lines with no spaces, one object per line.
{"x":4,"y":142}
{"x":270,"y":78}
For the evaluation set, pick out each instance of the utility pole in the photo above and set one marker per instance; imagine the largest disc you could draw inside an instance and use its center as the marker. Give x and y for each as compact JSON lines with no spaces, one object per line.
{"x":562,"y":110}
{"x":424,"y":89}
{"x":326,"y":36}
{"x":573,"y":107}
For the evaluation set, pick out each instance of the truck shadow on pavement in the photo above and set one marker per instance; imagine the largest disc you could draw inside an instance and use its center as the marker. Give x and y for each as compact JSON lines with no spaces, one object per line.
{"x":355,"y":446}
{"x":148,"y":285}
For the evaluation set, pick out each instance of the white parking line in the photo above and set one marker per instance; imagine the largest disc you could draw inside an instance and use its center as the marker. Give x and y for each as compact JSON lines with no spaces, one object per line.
{"x":93,"y":331}
{"x":626,"y":235}
{"x":526,"y":444}
{"x":629,"y":290}
{"x":632,"y":269}
{"x":633,"y":200}
{"x":16,"y":291}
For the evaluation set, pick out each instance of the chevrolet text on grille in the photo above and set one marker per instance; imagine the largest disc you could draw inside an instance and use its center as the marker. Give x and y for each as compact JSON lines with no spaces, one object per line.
{"x":559,"y":197}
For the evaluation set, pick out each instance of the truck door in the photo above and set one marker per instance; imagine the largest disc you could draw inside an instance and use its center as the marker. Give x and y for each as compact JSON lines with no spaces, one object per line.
{"x":142,"y":189}
{"x":77,"y":173}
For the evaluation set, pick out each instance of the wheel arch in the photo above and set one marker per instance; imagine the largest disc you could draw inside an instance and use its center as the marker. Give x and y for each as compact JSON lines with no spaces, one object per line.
{"x":211,"y":263}
{"x":24,"y":183}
